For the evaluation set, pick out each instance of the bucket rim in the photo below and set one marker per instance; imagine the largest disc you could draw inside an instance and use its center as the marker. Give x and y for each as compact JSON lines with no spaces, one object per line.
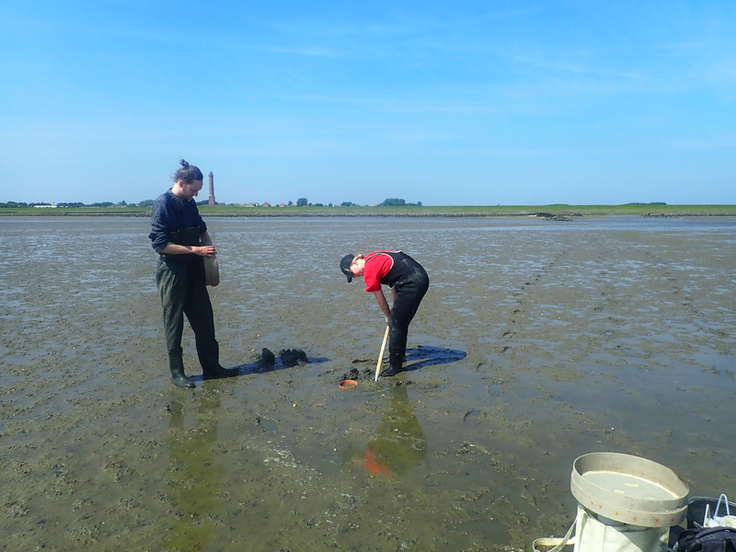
{"x":645,"y":512}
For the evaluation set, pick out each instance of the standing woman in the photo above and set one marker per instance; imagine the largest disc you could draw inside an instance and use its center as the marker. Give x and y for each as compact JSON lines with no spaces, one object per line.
{"x":408,"y":282}
{"x":179,"y":236}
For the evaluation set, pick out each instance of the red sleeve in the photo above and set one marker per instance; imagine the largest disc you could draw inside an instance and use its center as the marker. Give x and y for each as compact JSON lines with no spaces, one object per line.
{"x":376,"y":267}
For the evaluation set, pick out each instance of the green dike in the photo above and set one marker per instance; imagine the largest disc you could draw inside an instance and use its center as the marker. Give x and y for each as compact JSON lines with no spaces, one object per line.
{"x":571,"y":211}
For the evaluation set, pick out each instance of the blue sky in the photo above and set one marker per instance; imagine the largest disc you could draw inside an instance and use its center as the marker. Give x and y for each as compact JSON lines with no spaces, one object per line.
{"x":447,"y":103}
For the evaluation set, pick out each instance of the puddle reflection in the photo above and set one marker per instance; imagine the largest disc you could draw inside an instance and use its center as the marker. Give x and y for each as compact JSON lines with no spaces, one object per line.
{"x":400,"y":444}
{"x":193,"y":481}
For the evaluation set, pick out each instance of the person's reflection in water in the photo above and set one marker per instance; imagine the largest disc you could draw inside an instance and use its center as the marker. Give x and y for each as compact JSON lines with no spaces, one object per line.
{"x":401,"y":443}
{"x":193,"y":481}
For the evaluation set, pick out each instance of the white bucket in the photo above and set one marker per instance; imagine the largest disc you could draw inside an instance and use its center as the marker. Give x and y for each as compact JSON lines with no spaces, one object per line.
{"x":604,"y":535}
{"x":625,"y":504}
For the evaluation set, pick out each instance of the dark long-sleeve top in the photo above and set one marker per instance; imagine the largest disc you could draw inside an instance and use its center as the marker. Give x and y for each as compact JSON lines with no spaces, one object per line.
{"x":169,"y":214}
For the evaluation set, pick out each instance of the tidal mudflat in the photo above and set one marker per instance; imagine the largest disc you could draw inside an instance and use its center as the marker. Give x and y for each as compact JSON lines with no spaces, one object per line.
{"x":537,"y":342}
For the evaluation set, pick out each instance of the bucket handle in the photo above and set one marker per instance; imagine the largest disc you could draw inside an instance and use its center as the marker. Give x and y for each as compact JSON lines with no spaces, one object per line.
{"x":560,"y":543}
{"x":707,"y":515}
{"x":725,"y":502}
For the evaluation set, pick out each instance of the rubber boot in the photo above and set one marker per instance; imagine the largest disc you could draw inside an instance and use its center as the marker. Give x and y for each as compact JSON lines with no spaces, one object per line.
{"x":396,"y":365}
{"x":176,"y":365}
{"x":209,"y":359}
{"x":217,"y":371}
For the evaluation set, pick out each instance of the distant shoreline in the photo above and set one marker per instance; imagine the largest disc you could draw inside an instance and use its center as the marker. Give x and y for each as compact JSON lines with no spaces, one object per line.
{"x":544,"y":212}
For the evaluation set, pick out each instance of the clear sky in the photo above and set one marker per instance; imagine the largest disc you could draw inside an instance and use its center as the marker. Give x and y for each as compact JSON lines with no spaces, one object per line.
{"x":447,"y":103}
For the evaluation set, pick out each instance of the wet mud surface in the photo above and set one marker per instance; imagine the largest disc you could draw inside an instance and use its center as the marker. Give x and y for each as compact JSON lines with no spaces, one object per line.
{"x":537,"y":342}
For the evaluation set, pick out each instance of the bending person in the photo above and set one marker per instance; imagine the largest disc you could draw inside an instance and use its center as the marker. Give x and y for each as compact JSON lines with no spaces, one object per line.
{"x":408,"y":282}
{"x":179,"y":236}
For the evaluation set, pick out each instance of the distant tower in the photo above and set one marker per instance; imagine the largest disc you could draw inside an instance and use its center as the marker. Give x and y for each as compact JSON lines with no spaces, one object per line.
{"x":212,"y":189}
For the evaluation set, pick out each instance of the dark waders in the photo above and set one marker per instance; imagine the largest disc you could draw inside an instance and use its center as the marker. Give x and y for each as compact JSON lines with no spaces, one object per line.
{"x":183,"y":292}
{"x":181,"y":285}
{"x":409,"y":294}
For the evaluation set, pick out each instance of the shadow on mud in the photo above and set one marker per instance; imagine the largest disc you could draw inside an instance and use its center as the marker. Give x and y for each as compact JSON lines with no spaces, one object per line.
{"x":260,"y":368}
{"x":268,"y":362}
{"x":424,"y":356}
{"x":416,"y":359}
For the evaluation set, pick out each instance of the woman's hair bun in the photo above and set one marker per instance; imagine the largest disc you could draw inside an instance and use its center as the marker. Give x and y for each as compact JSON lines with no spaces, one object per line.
{"x":188,"y":173}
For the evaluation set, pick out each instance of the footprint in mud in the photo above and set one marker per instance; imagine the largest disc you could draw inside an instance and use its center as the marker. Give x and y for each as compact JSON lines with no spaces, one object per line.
{"x":267,"y":424}
{"x":472,"y":417}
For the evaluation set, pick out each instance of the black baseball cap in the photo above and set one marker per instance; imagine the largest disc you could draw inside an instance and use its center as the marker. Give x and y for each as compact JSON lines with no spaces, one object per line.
{"x":345,"y":263}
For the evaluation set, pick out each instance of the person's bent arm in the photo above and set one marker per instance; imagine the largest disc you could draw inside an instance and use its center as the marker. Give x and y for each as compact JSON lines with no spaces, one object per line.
{"x":381,"y":298}
{"x":204,"y":250}
{"x":201,"y":250}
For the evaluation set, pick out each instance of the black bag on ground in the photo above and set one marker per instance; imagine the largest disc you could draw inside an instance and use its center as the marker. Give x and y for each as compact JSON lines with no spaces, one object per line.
{"x":712,"y":539}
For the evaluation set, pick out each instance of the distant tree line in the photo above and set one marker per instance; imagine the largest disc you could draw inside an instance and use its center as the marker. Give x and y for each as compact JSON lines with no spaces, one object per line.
{"x":390,"y":202}
{"x":72,"y":204}
{"x":396,"y":202}
{"x":301,"y":202}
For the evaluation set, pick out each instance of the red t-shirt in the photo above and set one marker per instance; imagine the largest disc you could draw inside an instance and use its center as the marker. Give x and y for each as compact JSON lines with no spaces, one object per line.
{"x":377,"y":265}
